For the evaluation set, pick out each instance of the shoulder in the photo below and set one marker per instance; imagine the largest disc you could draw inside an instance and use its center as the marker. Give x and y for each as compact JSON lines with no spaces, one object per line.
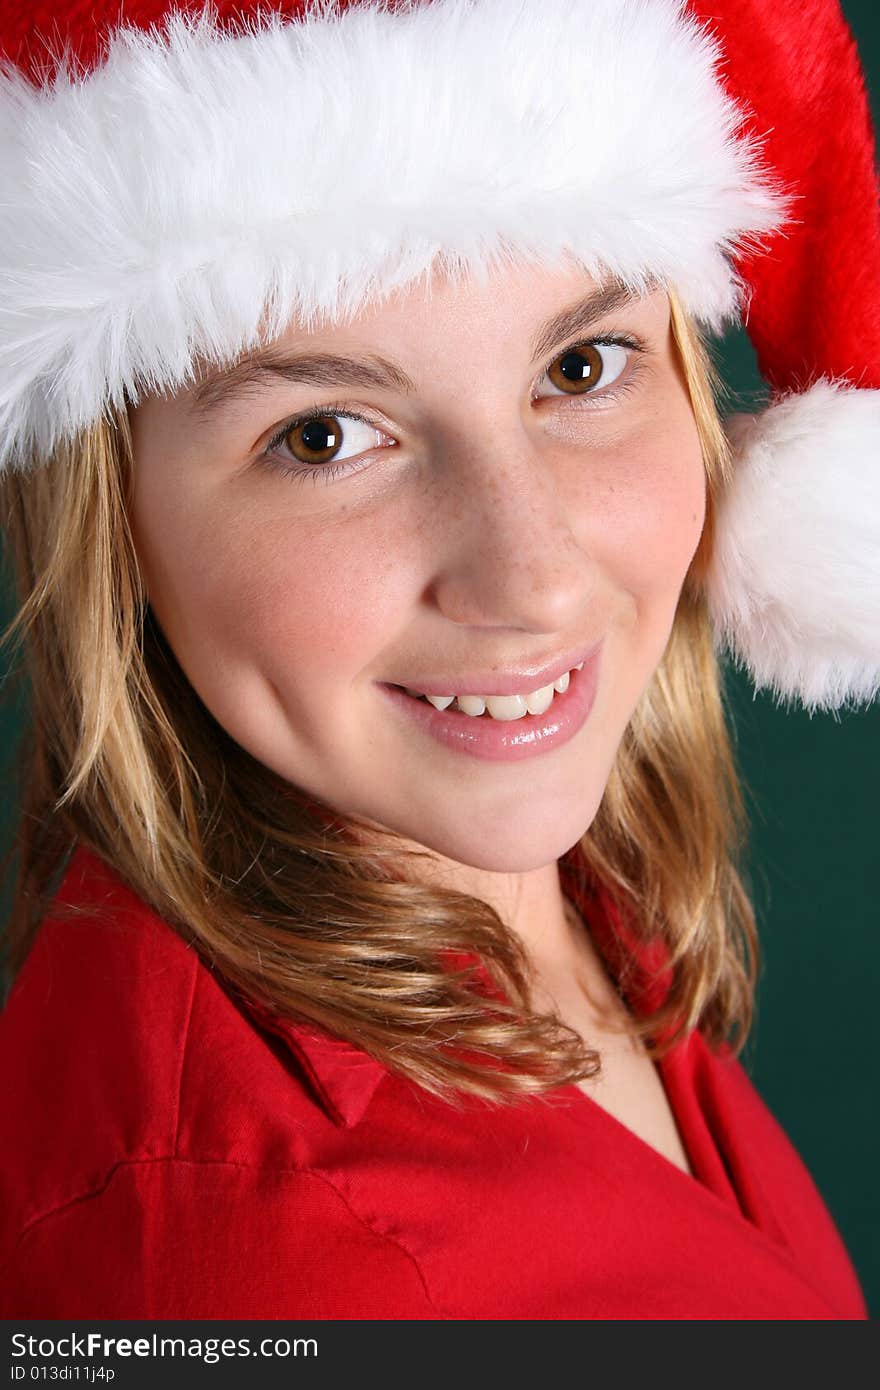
{"x":174,"y":1238}
{"x":158,"y":1150}
{"x":159,"y":1143}
{"x":91,"y":1041}
{"x":115,"y":1044}
{"x":774,"y":1184}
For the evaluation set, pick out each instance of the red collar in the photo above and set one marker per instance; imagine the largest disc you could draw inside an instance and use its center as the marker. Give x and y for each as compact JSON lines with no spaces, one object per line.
{"x":343,"y":1076}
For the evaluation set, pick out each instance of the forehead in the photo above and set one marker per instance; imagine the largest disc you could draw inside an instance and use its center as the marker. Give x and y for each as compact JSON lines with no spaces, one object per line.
{"x":333,"y":354}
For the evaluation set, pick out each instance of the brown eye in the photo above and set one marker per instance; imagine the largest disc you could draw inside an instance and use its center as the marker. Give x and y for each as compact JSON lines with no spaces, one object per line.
{"x":315,"y":440}
{"x":580,"y":370}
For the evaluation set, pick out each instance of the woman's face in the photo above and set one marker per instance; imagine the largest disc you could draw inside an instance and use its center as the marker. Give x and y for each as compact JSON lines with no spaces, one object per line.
{"x":489,"y":514}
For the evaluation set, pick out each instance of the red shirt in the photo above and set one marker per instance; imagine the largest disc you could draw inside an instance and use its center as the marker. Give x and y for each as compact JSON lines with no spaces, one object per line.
{"x":170,"y":1154}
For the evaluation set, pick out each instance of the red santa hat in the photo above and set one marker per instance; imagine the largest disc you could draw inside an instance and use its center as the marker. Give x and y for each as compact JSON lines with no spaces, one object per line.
{"x":183,"y":180}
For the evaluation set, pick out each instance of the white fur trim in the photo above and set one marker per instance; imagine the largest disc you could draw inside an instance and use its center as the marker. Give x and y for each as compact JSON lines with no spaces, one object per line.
{"x":794,"y":588}
{"x":201,"y":189}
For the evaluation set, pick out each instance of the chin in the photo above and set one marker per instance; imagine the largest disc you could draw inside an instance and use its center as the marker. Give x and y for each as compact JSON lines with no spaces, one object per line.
{"x":514,"y":843}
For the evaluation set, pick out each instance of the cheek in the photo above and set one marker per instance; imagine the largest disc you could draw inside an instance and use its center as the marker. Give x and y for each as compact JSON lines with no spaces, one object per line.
{"x":652,"y":511}
{"x":244,"y":589}
{"x":326,"y":599}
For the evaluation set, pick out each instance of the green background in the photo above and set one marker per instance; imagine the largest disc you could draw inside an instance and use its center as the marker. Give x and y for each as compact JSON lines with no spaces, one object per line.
{"x":810,"y":788}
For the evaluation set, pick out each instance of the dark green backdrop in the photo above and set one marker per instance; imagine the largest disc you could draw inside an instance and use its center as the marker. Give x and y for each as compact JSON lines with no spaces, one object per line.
{"x":810,"y":786}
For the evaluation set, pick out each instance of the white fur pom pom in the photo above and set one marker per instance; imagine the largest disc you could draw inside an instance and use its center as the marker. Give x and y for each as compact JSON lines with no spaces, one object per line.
{"x":794,"y":587}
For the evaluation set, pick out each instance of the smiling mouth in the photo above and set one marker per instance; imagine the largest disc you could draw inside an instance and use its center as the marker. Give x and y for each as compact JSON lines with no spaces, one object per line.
{"x":498,"y":708}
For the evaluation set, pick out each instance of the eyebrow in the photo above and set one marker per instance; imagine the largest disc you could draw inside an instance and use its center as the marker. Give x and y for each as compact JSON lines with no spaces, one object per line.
{"x":222,"y":389}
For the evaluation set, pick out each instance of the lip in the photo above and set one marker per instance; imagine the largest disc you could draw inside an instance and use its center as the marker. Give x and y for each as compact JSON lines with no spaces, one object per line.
{"x":502,"y":682}
{"x":495,"y":740}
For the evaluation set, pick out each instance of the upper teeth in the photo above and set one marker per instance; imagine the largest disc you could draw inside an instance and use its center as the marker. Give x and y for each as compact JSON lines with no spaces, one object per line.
{"x":502,"y":706}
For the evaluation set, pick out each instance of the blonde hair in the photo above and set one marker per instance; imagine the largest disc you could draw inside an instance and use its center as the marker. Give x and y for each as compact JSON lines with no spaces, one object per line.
{"x":307,"y":911}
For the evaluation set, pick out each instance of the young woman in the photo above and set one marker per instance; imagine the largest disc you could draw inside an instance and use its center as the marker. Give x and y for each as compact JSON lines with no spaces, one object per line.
{"x":378,"y":947}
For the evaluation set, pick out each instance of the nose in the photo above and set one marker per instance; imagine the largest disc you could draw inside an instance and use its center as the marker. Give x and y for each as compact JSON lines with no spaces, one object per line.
{"x":505,"y":524}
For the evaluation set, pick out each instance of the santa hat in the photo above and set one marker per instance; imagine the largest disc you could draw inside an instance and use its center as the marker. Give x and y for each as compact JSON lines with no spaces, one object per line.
{"x":183,"y":180}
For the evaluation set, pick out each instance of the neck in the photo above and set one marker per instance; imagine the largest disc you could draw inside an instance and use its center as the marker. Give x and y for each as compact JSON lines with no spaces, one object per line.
{"x":531,"y":904}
